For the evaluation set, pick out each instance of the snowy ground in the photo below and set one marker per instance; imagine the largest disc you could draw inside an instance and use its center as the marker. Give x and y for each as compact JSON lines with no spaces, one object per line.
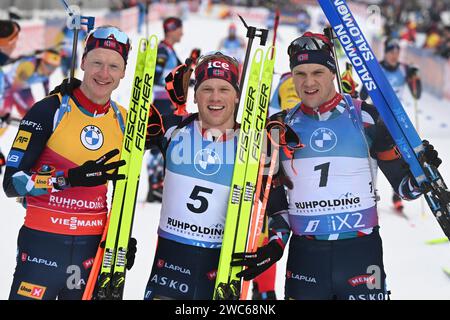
{"x":414,"y":269}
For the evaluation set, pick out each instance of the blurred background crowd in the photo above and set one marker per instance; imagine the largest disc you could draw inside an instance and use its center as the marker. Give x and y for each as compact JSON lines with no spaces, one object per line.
{"x":423,"y":23}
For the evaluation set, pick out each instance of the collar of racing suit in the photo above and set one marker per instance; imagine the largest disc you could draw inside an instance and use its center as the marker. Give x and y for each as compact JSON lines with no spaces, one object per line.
{"x":88,"y":105}
{"x":325,"y":107}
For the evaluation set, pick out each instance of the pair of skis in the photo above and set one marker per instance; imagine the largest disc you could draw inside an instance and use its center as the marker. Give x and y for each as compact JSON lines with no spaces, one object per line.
{"x":107,"y":281}
{"x":245,"y":174}
{"x":388,"y":105}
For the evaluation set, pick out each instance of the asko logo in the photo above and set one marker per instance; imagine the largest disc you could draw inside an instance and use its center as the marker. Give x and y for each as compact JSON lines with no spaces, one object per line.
{"x":172,"y":284}
{"x":31,"y":290}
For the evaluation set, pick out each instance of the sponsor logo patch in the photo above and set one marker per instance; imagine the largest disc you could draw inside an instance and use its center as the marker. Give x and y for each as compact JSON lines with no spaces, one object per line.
{"x":14,"y":158}
{"x":362,"y":279}
{"x":323,"y":140}
{"x":91,"y":137}
{"x":22,"y":140}
{"x":207,"y":162}
{"x":43,"y":182}
{"x":88,"y":263}
{"x":31,"y":290}
{"x":36,"y":126}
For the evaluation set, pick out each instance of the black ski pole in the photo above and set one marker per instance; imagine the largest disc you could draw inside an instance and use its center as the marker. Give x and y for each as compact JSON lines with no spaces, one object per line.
{"x":275,"y":27}
{"x":147,"y":10}
{"x":252,"y":32}
{"x":75,"y":22}
{"x":329,"y":33}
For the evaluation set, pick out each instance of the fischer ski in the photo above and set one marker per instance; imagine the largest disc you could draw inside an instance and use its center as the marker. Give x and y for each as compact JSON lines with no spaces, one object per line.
{"x":111,"y":280}
{"x":437,"y":241}
{"x":245,"y":172}
{"x":390,"y":108}
{"x":446,"y":271}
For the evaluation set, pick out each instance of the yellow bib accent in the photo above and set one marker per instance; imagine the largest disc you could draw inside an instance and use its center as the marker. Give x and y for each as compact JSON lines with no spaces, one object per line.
{"x":80,"y":137}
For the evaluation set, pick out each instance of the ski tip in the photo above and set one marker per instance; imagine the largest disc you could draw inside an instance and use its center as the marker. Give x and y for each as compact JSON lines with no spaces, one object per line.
{"x":142,"y":45}
{"x":258,"y":55}
{"x":437,"y":241}
{"x":153,"y":41}
{"x":270,"y":53}
{"x":446,"y":270}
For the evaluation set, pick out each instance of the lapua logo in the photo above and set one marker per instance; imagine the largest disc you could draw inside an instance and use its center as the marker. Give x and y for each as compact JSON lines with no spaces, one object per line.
{"x":300,"y":277}
{"x":48,"y":263}
{"x":163,"y":264}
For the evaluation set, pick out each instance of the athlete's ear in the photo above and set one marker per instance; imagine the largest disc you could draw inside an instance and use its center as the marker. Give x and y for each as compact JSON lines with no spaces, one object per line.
{"x":82,"y":64}
{"x":195,"y":97}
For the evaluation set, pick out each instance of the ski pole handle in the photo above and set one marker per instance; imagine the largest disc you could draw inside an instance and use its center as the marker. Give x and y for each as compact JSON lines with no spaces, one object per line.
{"x":252,"y":33}
{"x":74,"y":21}
{"x":329,"y":33}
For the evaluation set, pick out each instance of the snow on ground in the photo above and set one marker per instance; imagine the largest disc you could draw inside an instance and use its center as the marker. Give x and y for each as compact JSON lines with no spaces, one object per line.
{"x":414,"y":269}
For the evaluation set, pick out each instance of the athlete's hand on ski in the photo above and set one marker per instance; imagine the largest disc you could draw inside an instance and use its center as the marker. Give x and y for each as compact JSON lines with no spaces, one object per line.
{"x":430,"y":154}
{"x":66,"y":87}
{"x":131,"y":252}
{"x":95,"y":172}
{"x":257,"y":262}
{"x":384,"y":137}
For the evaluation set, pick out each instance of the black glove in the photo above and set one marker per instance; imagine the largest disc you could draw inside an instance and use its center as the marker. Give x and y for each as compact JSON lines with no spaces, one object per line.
{"x":411,"y":71}
{"x":195,"y":54}
{"x":131,"y":253}
{"x":430,"y":154}
{"x":94,"y":173}
{"x":413,"y":80}
{"x":66,"y":88}
{"x":257,"y":262}
{"x":383,"y":139}
{"x":177,"y":83}
{"x":154,"y":127}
